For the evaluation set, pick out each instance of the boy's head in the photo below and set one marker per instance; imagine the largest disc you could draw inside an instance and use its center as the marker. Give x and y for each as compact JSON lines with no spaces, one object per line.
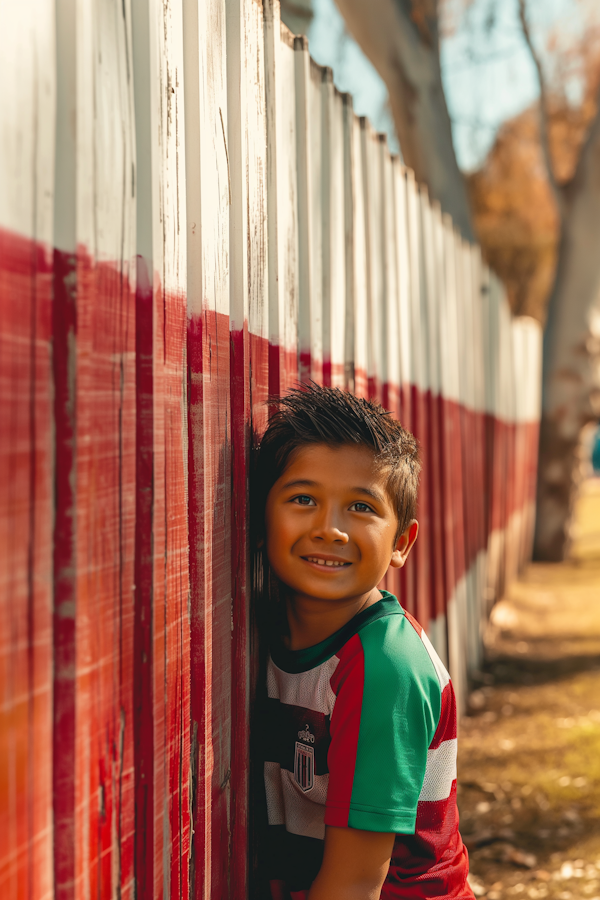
{"x":354,"y":478}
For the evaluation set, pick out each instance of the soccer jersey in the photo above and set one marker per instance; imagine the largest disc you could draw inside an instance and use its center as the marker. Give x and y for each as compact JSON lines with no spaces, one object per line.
{"x":359,"y":731}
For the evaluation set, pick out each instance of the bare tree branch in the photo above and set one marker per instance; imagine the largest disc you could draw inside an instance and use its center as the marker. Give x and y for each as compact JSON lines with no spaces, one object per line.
{"x":556,"y":188}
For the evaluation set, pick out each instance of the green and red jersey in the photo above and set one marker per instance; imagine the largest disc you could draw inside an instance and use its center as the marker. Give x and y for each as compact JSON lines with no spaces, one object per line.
{"x":359,"y":731}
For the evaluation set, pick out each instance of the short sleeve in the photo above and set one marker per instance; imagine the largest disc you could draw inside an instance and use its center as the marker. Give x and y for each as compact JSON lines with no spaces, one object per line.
{"x":387,"y":708}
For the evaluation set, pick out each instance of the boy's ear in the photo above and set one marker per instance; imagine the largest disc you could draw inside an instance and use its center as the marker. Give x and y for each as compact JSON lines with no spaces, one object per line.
{"x":404,"y":544}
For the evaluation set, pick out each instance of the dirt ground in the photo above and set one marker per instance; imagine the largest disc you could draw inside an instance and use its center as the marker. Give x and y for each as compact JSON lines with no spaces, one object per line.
{"x":529,"y":749}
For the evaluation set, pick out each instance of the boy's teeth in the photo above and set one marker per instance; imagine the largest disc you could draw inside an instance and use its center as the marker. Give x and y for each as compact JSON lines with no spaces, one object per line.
{"x":324,"y":562}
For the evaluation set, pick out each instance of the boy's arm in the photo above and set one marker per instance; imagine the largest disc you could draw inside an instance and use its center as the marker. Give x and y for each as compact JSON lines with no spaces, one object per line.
{"x":355,"y":865}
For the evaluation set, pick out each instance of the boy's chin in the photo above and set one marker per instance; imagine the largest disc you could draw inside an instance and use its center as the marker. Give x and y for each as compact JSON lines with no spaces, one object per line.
{"x":329,"y":592}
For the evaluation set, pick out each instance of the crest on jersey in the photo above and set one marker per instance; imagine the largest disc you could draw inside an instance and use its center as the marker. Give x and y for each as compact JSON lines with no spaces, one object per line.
{"x":304,"y":766}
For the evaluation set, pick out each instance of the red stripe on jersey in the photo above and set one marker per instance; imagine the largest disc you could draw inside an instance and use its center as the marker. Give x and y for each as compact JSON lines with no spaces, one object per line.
{"x":431,"y":860}
{"x":437,"y":816}
{"x":347,"y":683}
{"x":446,"y":729}
{"x":414,"y":623}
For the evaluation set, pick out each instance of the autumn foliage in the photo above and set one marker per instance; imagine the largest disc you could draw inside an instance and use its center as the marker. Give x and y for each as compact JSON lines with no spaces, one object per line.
{"x":514,"y":212}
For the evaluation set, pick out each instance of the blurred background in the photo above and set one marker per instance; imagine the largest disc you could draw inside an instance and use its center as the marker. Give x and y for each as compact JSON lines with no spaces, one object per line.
{"x":492,"y":91}
{"x":519,"y":83}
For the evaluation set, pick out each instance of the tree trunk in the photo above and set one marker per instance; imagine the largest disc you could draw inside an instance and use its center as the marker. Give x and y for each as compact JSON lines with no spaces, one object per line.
{"x":571,"y":373}
{"x":400,"y":37}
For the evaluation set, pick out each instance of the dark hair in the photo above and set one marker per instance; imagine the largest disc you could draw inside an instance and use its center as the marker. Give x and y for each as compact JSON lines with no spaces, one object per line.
{"x":311,"y":414}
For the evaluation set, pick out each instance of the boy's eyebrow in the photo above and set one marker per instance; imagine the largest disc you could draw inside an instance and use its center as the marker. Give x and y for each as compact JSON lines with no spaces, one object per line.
{"x":369,"y":492}
{"x":306,"y":482}
{"x":300,"y":482}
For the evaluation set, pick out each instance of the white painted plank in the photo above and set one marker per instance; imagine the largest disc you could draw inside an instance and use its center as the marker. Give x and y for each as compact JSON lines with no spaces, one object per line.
{"x":418,"y":374}
{"x":403,"y":281}
{"x":390,"y":338}
{"x":356,"y":256}
{"x":333,"y":233}
{"x":282,"y":194}
{"x":372,"y":174}
{"x":308,"y":157}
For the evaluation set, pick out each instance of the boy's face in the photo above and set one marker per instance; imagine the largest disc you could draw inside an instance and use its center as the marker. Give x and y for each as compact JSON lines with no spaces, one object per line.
{"x":330,"y":524}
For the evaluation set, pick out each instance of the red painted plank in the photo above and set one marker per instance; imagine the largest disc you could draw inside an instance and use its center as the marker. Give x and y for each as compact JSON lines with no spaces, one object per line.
{"x":208,"y":353}
{"x":162,"y":648}
{"x":93,"y":563}
{"x":143,"y":648}
{"x":25,"y":568}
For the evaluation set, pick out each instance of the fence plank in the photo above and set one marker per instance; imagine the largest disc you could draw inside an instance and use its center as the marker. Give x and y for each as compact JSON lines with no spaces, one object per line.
{"x":407,"y":581}
{"x":434,"y":273}
{"x":372,"y":186}
{"x":94,"y":333}
{"x":309,"y":155}
{"x":390,"y":363}
{"x":452,"y":465}
{"x":332,"y":233}
{"x":419,"y":387}
{"x":209,"y":197}
{"x":162,"y":649}
{"x":27,"y":68}
{"x":478,"y":447}
{"x":249,"y":374}
{"x":356,"y":256}
{"x":282,"y":194}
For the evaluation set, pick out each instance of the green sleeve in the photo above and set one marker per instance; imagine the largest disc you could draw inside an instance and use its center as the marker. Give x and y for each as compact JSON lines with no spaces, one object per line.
{"x":401,"y":705}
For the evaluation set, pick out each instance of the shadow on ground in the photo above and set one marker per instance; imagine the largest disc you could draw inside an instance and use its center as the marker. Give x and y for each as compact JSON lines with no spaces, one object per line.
{"x":529,"y":749}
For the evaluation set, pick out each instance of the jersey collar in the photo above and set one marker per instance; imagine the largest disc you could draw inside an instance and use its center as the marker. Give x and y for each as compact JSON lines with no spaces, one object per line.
{"x":296,"y":661}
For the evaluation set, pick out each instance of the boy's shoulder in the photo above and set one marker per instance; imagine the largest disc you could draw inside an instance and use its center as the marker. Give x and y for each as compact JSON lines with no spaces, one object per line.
{"x":379,"y":656}
{"x":391,"y":644}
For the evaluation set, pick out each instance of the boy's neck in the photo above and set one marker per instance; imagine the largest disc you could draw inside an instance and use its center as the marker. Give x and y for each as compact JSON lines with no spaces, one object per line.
{"x":312,"y":620}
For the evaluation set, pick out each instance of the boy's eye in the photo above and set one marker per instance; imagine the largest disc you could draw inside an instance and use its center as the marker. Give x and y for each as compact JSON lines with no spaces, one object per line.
{"x":303,"y":500}
{"x":359,"y":506}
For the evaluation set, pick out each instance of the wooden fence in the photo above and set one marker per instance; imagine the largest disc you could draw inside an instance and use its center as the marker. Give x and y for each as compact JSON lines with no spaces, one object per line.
{"x":191,"y":217}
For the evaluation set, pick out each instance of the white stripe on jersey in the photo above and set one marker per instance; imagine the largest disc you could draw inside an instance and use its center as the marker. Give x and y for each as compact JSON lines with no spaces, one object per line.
{"x":310,"y":690}
{"x":287,"y":804}
{"x":305,"y":812}
{"x":442,"y":674}
{"x":440,"y":772}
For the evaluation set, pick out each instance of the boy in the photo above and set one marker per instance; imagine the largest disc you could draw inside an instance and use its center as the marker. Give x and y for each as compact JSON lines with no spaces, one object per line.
{"x":359,"y":728}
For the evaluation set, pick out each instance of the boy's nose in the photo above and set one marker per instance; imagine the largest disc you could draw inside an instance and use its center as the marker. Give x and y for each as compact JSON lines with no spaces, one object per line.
{"x":329,"y":530}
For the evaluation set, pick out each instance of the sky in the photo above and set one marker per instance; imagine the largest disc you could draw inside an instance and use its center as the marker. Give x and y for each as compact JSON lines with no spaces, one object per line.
{"x":487,"y":71}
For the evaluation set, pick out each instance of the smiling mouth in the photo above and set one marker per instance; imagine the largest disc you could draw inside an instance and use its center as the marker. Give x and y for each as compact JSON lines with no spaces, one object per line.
{"x":327,"y":563}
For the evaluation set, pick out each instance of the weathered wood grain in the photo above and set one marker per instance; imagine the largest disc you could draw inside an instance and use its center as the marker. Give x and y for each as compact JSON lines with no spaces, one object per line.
{"x":309,"y":192}
{"x":162,"y":645}
{"x":356,"y":256}
{"x":191,"y":217}
{"x":333,"y":261}
{"x":433,"y":283}
{"x":248,"y":253}
{"x":282,"y":201}
{"x":94,"y":411}
{"x":208,"y":197}
{"x":27,"y":69}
